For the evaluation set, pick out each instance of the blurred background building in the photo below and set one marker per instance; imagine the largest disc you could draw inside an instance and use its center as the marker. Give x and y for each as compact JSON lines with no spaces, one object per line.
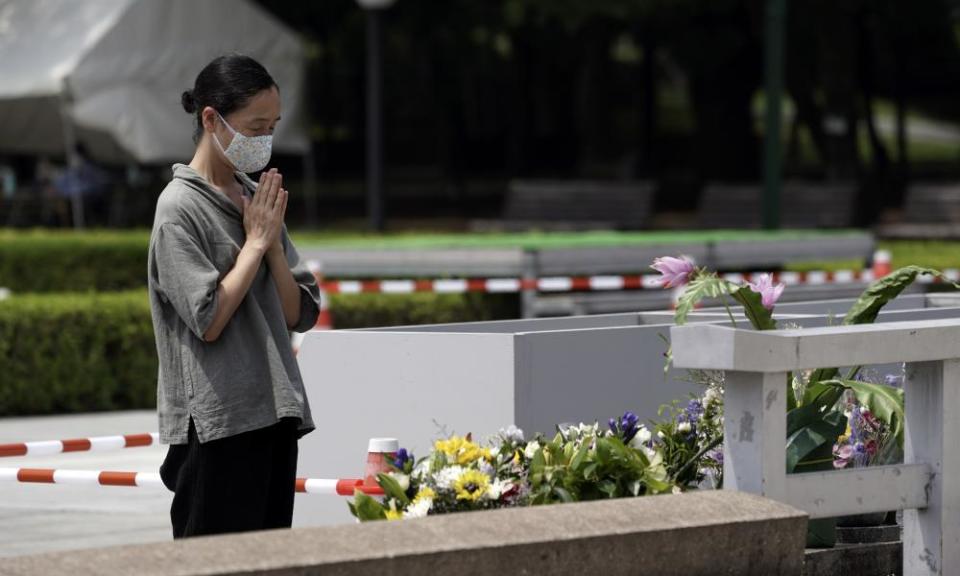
{"x":658,"y":106}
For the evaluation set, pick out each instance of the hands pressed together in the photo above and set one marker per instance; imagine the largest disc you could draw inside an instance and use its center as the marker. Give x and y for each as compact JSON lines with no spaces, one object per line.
{"x":263,"y":215}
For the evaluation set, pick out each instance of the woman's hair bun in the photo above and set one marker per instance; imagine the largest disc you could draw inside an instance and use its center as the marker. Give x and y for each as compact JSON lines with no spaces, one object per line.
{"x":189,"y":102}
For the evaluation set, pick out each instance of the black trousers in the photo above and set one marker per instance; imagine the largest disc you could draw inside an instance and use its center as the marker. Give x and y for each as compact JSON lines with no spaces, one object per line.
{"x":234,"y":484}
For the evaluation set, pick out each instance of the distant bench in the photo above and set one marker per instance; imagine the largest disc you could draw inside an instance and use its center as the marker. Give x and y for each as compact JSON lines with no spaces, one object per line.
{"x":802,"y":205}
{"x":929,"y":211}
{"x":933,"y":203}
{"x":574,"y":205}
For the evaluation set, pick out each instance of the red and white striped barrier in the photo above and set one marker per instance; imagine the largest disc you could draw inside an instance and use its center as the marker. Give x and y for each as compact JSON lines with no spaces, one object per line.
{"x":81,"y":477}
{"x":94,"y":444}
{"x":588,"y":283}
{"x":337,"y":487}
{"x":328,"y":487}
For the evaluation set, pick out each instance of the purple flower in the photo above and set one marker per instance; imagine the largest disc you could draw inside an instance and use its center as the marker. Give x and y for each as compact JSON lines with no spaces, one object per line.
{"x":769,"y":294}
{"x":895,"y":380}
{"x":625,"y":426}
{"x":674,"y":272}
{"x":694,"y":410}
{"x":402,"y":458}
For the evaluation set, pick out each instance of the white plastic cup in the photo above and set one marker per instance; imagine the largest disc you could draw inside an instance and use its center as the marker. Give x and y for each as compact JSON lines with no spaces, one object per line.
{"x":380,"y":454}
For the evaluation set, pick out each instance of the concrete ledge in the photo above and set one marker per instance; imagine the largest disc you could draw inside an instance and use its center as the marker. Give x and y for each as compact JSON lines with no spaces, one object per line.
{"x":711,"y":532}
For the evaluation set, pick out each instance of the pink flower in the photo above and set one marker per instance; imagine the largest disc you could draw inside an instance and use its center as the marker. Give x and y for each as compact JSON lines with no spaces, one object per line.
{"x":769,"y":294}
{"x":674,"y":271}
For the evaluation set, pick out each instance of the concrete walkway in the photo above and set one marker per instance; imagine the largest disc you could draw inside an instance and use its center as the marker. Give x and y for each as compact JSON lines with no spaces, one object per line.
{"x":38,"y":518}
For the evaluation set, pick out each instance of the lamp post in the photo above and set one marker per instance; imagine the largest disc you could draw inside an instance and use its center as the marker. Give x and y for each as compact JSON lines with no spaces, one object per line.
{"x":375,"y":196}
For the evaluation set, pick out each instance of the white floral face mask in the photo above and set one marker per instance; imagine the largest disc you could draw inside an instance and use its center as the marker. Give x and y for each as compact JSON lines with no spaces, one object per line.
{"x":246,"y":153}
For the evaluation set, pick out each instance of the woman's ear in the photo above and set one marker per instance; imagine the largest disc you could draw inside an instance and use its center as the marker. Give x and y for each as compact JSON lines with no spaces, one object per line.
{"x":209,"y":118}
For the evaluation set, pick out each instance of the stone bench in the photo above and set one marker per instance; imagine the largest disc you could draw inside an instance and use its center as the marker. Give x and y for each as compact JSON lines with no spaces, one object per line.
{"x":802,"y":205}
{"x":690,"y":534}
{"x":574,"y":205}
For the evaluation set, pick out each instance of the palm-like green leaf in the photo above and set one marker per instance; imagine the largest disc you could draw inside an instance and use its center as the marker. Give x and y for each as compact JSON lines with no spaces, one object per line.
{"x":876,"y":296}
{"x":873,"y":299}
{"x":702,"y":286}
{"x":812,"y":445}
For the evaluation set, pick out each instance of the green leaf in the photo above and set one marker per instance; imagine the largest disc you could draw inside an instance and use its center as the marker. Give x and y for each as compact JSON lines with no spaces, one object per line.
{"x":579,"y":457}
{"x":589,"y":470}
{"x":820,"y":434}
{"x":656,"y":485}
{"x":821,"y":374}
{"x":752,"y":302}
{"x":563,"y":494}
{"x":821,"y":399}
{"x":537,"y":465}
{"x":366,"y":508}
{"x":703,"y":286}
{"x":392,"y":488}
{"x":866,"y":309}
{"x":608,"y":488}
{"x":876,"y":296}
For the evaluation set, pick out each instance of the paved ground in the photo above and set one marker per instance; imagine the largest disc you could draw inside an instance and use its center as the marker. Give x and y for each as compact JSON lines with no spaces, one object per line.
{"x":38,"y":518}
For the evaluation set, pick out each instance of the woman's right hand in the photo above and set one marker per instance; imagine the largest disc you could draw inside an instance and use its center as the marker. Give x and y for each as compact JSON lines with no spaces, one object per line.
{"x":263,"y":215}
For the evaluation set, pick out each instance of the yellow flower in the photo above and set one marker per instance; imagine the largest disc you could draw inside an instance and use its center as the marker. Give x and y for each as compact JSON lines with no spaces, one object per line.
{"x":425,"y":493}
{"x":471,"y":485}
{"x":516,"y":457}
{"x":394,"y":515}
{"x":462,"y":451}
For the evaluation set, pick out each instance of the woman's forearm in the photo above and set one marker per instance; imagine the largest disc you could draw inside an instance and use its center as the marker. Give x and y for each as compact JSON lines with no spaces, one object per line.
{"x":233,"y":288}
{"x":287,"y":287}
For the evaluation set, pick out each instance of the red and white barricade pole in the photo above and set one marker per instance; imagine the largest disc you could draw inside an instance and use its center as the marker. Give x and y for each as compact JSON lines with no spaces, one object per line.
{"x":329,"y":487}
{"x":94,"y":444}
{"x":81,"y":477}
{"x":377,"y":453}
{"x":606,"y":283}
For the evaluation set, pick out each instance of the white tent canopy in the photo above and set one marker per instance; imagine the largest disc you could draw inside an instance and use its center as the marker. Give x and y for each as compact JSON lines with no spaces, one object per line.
{"x":109,"y":73}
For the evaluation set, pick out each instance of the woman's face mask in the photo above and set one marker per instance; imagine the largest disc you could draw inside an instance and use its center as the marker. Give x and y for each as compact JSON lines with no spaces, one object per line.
{"x":246,"y":153}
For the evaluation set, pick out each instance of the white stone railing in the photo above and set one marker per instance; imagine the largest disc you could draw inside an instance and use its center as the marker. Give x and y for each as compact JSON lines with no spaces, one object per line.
{"x":926,"y":486}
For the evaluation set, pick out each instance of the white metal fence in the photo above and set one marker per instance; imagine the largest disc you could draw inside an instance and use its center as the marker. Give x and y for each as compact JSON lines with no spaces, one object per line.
{"x":926,"y":486}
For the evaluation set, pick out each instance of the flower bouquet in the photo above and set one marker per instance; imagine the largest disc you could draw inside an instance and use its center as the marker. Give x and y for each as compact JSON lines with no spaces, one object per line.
{"x":581,"y":462}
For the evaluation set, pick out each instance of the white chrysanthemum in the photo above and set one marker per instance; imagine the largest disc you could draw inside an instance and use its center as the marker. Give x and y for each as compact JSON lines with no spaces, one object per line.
{"x":531,"y":449}
{"x":402,"y":479}
{"x":512,"y":434}
{"x":497,"y":488}
{"x":419,"y":509}
{"x":712,"y":395}
{"x":422,"y":469}
{"x":446,"y":477}
{"x":683,"y":427}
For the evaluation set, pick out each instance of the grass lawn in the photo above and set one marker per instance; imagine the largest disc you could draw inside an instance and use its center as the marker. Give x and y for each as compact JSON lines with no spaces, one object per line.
{"x":935,"y":254}
{"x":541,"y":240}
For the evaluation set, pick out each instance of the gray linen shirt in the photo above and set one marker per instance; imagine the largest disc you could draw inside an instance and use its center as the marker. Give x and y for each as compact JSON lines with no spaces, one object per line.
{"x":248,"y":378}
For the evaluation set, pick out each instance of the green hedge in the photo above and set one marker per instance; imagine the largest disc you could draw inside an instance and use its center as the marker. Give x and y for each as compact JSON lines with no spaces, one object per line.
{"x":87,"y":352}
{"x":65,"y":261}
{"x":76,"y":353}
{"x":368,"y":310}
